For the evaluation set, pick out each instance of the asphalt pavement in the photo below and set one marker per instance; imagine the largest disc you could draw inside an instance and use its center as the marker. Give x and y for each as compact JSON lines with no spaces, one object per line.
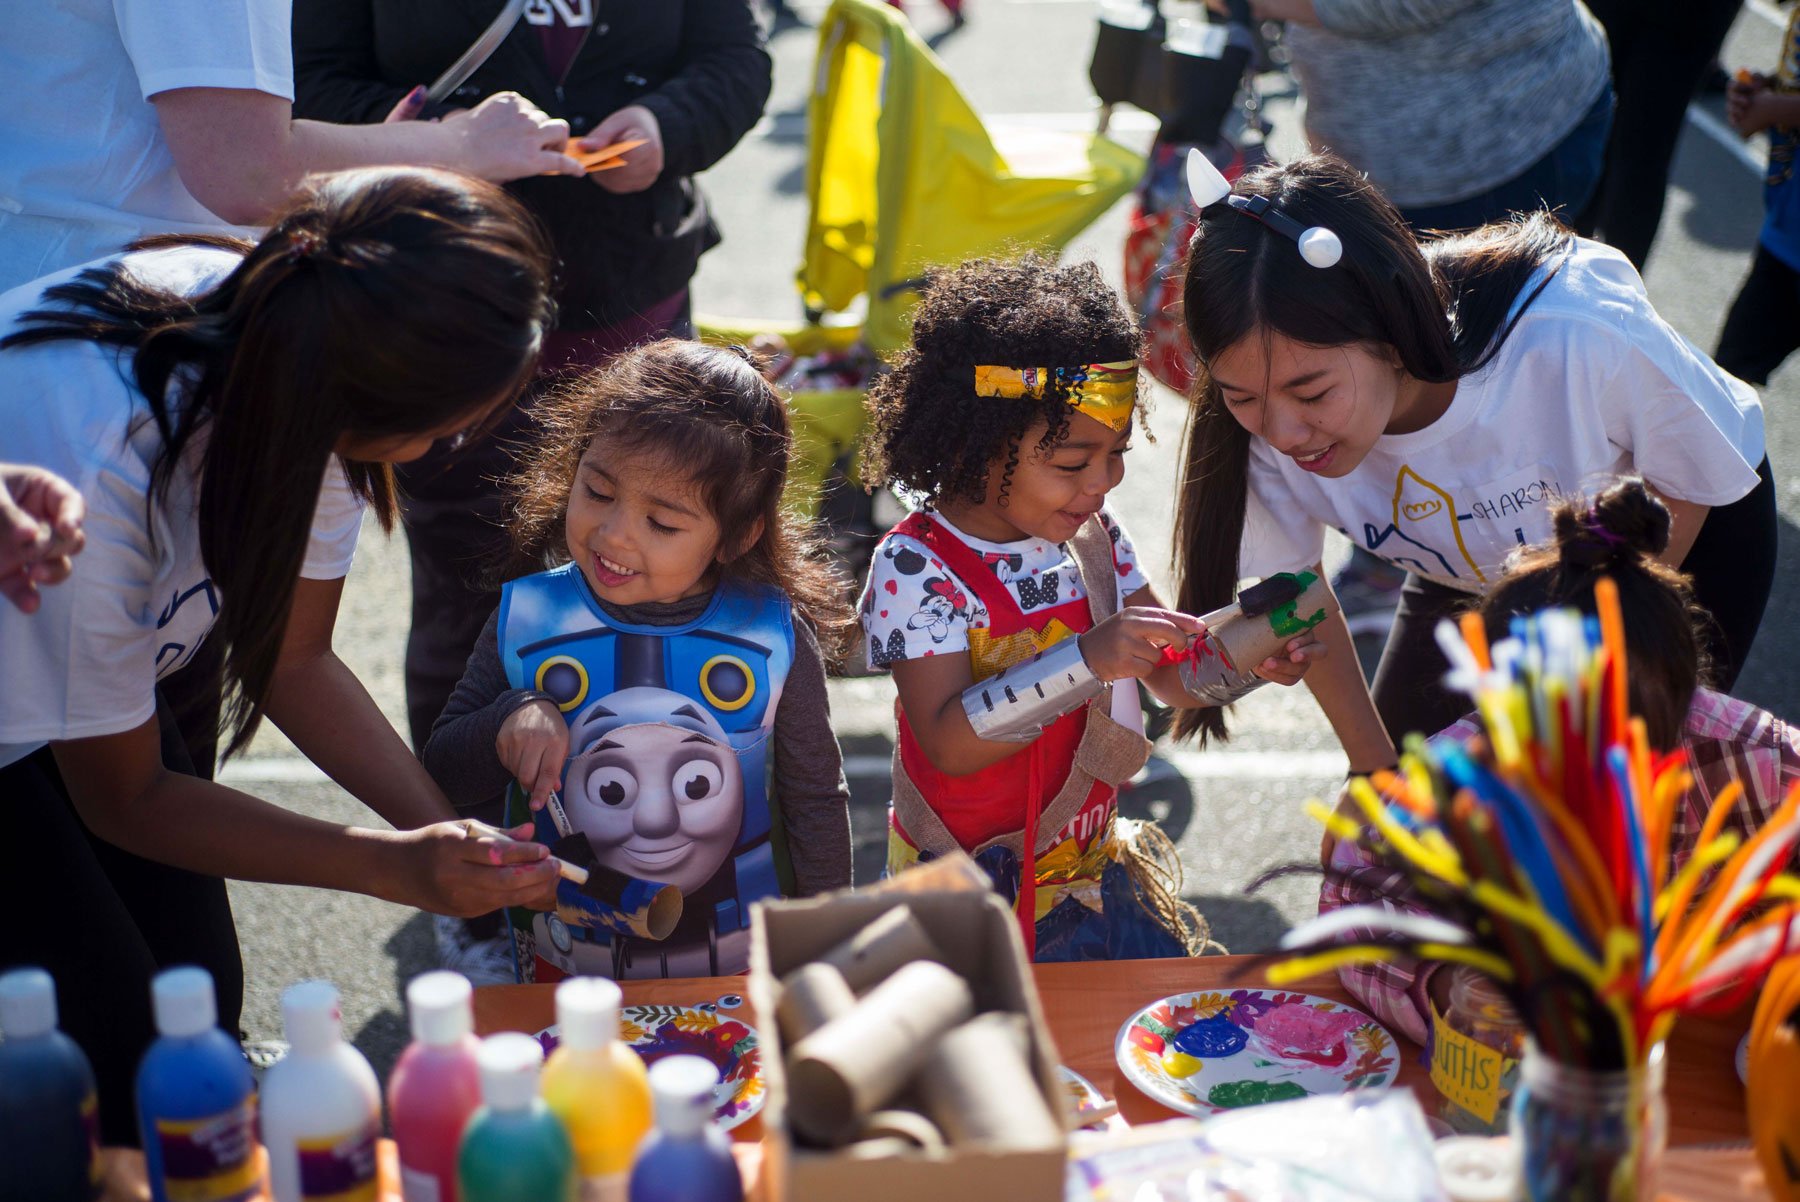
{"x":1232,"y":811}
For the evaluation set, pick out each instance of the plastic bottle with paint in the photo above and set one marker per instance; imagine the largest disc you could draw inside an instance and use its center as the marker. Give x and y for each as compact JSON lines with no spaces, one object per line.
{"x":514,"y":1150}
{"x":597,"y":1086}
{"x":321,"y":1105}
{"x":196,"y":1099}
{"x":435,"y":1087}
{"x":49,"y":1123}
{"x":687,"y":1158}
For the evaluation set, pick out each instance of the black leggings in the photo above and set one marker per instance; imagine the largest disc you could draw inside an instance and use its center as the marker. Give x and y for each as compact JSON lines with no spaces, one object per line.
{"x":1732,"y":565}
{"x":1660,"y":49}
{"x":104,"y":922}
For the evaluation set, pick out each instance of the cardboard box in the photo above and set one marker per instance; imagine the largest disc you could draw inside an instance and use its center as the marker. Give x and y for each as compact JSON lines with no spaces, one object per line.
{"x":980,"y":939}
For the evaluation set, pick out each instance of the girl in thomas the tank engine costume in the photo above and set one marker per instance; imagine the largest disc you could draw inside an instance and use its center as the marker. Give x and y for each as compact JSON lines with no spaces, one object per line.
{"x":658,"y":697}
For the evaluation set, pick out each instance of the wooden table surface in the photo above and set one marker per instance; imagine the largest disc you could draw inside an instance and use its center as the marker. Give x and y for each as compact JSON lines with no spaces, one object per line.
{"x":1085,"y":1004}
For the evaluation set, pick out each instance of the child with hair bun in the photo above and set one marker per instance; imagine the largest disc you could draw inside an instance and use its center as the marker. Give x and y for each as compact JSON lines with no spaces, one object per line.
{"x":1012,"y":611}
{"x":1723,"y":739}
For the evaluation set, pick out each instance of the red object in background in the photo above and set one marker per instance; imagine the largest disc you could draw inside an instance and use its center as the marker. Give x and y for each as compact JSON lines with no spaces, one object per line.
{"x":1162,"y":225}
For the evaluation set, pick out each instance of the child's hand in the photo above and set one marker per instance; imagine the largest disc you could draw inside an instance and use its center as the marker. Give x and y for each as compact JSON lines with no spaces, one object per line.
{"x":1130,"y":642}
{"x":468,"y":868}
{"x":1741,"y":97}
{"x":1301,"y":651}
{"x":533,"y":743}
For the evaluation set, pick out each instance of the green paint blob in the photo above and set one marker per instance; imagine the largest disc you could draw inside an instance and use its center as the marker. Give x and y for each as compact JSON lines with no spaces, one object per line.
{"x":1284,"y":621}
{"x":1230,"y":1095}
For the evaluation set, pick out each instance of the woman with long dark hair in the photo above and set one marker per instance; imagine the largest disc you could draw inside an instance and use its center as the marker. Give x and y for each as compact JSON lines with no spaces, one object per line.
{"x":228,"y":411}
{"x":1432,"y":402}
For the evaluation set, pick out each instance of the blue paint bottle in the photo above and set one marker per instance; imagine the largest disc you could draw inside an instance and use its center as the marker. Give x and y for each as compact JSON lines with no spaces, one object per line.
{"x":49,"y":1126}
{"x":196,"y":1099}
{"x":687,"y":1158}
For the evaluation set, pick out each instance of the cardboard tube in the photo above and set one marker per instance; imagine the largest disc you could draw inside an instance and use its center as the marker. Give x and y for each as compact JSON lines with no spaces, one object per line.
{"x":857,"y":1062}
{"x":811,"y":996}
{"x":915,"y":1129}
{"x":873,"y":954}
{"x":978,"y":1086}
{"x":1245,"y":633}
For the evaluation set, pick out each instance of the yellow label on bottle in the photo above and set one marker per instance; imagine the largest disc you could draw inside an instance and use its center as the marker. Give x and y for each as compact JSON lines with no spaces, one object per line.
{"x":1465,"y":1071}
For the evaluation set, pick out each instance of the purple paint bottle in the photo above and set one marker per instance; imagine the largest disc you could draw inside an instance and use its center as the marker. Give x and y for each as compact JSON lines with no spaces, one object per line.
{"x":687,"y":1158}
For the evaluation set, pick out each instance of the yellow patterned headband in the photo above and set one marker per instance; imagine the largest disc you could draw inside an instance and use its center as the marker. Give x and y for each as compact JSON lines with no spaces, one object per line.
{"x":1105,"y":392}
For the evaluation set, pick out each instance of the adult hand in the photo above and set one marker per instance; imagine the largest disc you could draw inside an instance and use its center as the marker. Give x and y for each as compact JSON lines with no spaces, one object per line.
{"x":409,"y":106}
{"x":533,"y":743}
{"x":643,"y":164}
{"x":40,"y":530}
{"x":1130,"y":642}
{"x":507,"y":137}
{"x":1288,"y":670}
{"x":467,"y":868}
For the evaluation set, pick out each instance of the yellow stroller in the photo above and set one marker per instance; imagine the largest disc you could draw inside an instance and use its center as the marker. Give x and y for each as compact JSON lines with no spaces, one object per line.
{"x":902,"y":176}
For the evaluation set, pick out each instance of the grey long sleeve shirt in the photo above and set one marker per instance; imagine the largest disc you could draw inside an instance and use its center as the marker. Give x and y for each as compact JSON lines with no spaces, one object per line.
{"x":1441,"y":100}
{"x":809,"y":785}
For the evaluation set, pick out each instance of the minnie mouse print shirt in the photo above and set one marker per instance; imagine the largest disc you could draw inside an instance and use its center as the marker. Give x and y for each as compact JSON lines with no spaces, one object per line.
{"x":914,"y":606}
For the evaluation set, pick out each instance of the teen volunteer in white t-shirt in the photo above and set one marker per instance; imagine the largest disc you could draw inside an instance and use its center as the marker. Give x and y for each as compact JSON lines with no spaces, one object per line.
{"x":227,"y":411}
{"x":1431,"y":403}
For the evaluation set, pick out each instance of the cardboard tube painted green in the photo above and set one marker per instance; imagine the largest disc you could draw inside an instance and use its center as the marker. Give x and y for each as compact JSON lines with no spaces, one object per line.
{"x":1258,"y":625}
{"x":876,"y":952}
{"x":978,"y":1086}
{"x":855,"y":1064}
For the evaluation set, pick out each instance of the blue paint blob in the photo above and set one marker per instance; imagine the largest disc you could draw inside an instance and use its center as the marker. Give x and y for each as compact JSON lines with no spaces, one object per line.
{"x":1210,"y":1037}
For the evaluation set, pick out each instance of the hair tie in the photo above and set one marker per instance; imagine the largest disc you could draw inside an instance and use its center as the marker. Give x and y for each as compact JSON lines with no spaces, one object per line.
{"x":1591,"y":524}
{"x":1319,"y":246}
{"x":304,"y":244}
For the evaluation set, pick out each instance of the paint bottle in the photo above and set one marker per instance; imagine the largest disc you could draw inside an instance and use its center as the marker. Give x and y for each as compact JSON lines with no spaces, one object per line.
{"x":687,"y":1158}
{"x":196,"y":1098}
{"x":597,"y":1086}
{"x":514,"y":1150}
{"x":435,"y":1087}
{"x":49,"y":1122}
{"x":321,"y":1105}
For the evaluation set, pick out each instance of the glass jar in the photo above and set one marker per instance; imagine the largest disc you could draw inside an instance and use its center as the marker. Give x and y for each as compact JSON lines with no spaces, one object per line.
{"x":1480,"y":1011}
{"x":1589,"y":1135}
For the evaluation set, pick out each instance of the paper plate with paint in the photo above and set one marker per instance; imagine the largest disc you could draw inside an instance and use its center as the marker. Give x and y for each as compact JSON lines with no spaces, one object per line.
{"x":1201,"y":1053}
{"x":1092,"y":1108}
{"x":709,"y":1030}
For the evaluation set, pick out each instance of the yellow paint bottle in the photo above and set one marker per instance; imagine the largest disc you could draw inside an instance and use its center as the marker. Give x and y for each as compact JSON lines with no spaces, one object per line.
{"x":597,"y":1086}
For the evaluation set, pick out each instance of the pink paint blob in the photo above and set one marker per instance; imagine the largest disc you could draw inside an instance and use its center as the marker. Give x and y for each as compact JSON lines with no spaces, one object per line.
{"x":1300,"y":1028}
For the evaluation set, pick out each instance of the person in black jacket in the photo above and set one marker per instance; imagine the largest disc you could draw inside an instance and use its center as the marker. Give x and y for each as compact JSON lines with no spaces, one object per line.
{"x":690,"y":78}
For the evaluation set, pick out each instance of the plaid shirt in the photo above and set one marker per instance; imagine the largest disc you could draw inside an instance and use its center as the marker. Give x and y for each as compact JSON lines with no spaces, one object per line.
{"x":1725,"y":740}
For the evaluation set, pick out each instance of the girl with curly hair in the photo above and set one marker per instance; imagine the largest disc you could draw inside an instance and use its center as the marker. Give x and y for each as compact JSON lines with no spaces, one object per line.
{"x":657,"y":657}
{"x":1008,"y":606}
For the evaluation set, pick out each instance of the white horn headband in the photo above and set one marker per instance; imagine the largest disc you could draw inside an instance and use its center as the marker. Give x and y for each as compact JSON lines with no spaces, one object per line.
{"x":1318,"y":246}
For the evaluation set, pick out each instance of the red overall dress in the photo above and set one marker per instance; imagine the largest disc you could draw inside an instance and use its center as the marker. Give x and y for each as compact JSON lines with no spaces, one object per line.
{"x":1051,"y":803}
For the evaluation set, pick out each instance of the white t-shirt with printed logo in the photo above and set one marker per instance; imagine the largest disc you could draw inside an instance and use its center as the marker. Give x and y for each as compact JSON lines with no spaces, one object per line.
{"x":915,"y":606}
{"x":1591,"y":384}
{"x":140,"y":600}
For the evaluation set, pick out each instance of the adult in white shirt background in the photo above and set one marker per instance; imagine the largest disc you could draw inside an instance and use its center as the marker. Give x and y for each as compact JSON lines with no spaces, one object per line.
{"x":120,"y":118}
{"x":227,"y":412}
{"x":1432,"y":402}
